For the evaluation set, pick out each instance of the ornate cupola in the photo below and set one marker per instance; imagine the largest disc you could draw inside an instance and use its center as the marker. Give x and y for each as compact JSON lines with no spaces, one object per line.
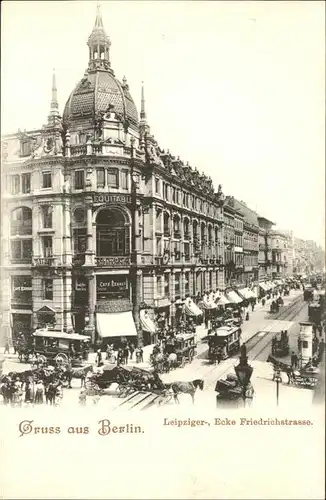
{"x":99,"y":46}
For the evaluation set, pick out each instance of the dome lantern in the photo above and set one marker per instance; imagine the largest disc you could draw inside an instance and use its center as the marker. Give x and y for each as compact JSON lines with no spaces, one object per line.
{"x":99,"y":46}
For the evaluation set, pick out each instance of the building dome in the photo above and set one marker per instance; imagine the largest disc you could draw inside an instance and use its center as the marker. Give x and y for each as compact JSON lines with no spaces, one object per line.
{"x":99,"y":91}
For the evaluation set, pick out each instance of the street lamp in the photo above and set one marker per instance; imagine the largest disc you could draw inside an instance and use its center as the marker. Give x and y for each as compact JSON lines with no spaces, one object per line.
{"x":133,"y":271}
{"x":243,"y":372}
{"x":278,"y":378}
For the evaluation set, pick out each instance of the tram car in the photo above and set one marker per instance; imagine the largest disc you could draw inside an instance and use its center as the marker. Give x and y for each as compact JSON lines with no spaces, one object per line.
{"x":60,"y":347}
{"x":226,"y":340}
{"x":184,"y":346}
{"x":308,"y":293}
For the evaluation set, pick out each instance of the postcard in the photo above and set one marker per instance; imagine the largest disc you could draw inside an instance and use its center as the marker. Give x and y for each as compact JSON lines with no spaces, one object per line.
{"x":162,"y":250}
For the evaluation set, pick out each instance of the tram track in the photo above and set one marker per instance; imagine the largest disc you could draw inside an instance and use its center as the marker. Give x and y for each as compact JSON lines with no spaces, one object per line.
{"x":145,"y":400}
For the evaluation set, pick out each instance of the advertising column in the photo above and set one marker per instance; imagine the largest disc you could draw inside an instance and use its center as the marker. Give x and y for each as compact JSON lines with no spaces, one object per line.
{"x":305,"y":338}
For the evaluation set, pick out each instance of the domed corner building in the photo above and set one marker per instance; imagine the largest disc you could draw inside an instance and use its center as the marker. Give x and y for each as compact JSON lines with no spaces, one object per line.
{"x":104,"y":232}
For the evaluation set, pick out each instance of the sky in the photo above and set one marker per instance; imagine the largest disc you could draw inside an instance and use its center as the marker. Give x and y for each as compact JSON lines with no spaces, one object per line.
{"x":237,"y":89}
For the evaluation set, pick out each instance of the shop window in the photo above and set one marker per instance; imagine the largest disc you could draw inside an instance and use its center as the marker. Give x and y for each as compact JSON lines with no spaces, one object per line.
{"x":46,"y":180}
{"x":21,"y":290}
{"x":48,"y":289}
{"x":26,"y":183}
{"x":79,"y":179}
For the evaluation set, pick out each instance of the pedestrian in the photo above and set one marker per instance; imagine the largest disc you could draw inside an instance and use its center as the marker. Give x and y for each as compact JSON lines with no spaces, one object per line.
{"x":39,"y":393}
{"x":247,"y":316}
{"x":139,"y":355}
{"x":7,"y":347}
{"x":99,"y":358}
{"x":296,"y":361}
{"x":252,"y":306}
{"x":293,"y":360}
{"x":125,"y":354}
{"x":131,"y":349}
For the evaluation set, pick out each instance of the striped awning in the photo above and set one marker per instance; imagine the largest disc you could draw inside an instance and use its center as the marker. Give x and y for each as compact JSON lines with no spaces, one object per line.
{"x":191,"y":309}
{"x":222,"y":301}
{"x":234,"y":297}
{"x":146,"y":322}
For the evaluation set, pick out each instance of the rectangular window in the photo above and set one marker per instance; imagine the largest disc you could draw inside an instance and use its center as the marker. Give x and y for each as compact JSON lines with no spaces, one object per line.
{"x":173,"y":194}
{"x":26,"y":183}
{"x":79,"y":240}
{"x":14,"y":184}
{"x":113,"y":178}
{"x":21,"y":290}
{"x":47,"y":246}
{"x":21,"y":249}
{"x":46,"y":180}
{"x":177,"y":277}
{"x":79,"y":179}
{"x":48,"y":289}
{"x":157,"y":185}
{"x":167,"y":285}
{"x":187,"y":251}
{"x":47,"y":216}
{"x":124,"y":179}
{"x":100,"y":177}
{"x":187,"y":282}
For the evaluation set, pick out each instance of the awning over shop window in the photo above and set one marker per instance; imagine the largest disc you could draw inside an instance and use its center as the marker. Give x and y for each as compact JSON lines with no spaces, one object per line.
{"x":265,"y":286}
{"x":115,"y":324}
{"x":234,"y":297}
{"x":246,"y":293}
{"x":146,"y":322}
{"x":206,"y":303}
{"x":222,"y":301}
{"x":191,"y":309}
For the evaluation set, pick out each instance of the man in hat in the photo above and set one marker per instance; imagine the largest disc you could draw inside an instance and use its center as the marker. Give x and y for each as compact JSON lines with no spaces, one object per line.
{"x":99,"y":357}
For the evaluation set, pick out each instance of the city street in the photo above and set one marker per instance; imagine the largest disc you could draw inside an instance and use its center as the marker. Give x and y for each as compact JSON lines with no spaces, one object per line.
{"x":257,"y":333}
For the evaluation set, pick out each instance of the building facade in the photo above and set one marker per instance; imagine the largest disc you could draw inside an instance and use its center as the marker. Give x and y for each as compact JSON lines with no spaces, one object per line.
{"x":282,"y":254}
{"x":265,"y":249}
{"x":98,"y":219}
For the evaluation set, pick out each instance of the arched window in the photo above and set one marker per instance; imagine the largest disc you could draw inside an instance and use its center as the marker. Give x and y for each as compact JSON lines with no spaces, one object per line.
{"x":112,"y":233}
{"x":166,"y":223}
{"x":21,"y":222}
{"x":203,"y":233}
{"x":176,"y":226}
{"x":186,"y":228}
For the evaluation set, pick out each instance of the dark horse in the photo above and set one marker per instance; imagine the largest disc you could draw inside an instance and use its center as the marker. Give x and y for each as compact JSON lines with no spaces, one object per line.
{"x":283,"y":367}
{"x":81,"y":373}
{"x":51,"y":391}
{"x":185,"y":388}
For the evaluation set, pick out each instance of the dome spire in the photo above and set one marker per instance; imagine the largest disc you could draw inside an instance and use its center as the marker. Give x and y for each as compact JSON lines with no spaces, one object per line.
{"x":99,"y":46}
{"x":142,"y":109}
{"x":54,"y":108}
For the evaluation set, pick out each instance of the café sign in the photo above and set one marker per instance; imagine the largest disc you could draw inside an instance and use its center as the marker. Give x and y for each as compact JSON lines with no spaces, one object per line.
{"x":112,"y":198}
{"x":111,"y":284}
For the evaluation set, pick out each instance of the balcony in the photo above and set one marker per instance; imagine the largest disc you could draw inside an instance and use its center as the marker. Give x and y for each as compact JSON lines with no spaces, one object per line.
{"x":44,"y":261}
{"x":113,"y":261}
{"x":27,"y":260}
{"x":78,"y":150}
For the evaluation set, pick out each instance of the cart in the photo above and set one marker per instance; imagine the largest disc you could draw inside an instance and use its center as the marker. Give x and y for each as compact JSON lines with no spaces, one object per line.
{"x":60,"y":348}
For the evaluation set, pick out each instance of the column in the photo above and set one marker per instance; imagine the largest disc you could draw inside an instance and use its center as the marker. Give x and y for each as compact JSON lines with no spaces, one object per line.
{"x":90,"y":327}
{"x":172,"y":296}
{"x":154,"y":229}
{"x":89,"y":254}
{"x":67,"y":251}
{"x":136,"y":308}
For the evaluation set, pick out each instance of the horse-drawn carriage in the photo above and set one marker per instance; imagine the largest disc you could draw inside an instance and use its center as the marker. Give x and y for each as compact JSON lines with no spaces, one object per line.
{"x":223,"y":342}
{"x":61,"y":348}
{"x":280,"y":345}
{"x":307,"y":376}
{"x":184,"y":346}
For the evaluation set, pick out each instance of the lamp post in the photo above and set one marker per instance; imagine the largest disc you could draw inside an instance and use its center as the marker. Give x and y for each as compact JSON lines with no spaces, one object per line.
{"x":243,"y":372}
{"x":278,"y":378}
{"x":135,"y":279}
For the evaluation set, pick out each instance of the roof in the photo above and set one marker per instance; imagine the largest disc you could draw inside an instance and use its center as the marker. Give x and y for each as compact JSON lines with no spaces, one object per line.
{"x":223,"y":331}
{"x":60,"y":335}
{"x":95,"y":93}
{"x":250,"y":216}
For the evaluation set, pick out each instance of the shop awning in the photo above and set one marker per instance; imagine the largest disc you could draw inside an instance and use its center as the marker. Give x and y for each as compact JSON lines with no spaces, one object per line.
{"x":265,"y":286}
{"x":146,"y":322}
{"x":246,"y":293}
{"x":234,"y":297}
{"x":115,"y":324}
{"x":222,"y":301}
{"x":191,"y":309}
{"x":207,"y":304}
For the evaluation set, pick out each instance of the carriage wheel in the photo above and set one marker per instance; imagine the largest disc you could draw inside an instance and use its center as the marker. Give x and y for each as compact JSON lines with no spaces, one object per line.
{"x":61,"y":359}
{"x":191,"y":355}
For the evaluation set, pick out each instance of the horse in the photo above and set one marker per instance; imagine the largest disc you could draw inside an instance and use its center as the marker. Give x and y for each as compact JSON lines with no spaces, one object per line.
{"x":171,"y":361}
{"x":80,"y":373}
{"x":51,"y":392}
{"x":185,"y":388}
{"x":287,"y":369}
